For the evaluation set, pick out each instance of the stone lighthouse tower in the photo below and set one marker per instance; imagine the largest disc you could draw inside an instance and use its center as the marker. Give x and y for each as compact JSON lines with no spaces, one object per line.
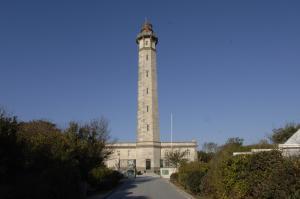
{"x":148,"y":138}
{"x":148,"y":153}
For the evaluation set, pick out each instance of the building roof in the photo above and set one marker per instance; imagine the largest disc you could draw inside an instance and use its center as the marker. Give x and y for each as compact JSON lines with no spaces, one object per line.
{"x":147,"y":32}
{"x":295,"y":139}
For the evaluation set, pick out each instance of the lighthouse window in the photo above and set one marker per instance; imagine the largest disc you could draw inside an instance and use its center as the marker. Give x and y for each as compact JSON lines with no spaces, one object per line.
{"x":147,"y":91}
{"x":146,"y":43}
{"x":147,"y":73}
{"x":147,"y":127}
{"x":147,"y":108}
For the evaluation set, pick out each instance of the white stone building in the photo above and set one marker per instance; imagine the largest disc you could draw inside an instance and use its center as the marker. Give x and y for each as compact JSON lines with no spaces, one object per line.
{"x":292,"y":146}
{"x":148,"y":152}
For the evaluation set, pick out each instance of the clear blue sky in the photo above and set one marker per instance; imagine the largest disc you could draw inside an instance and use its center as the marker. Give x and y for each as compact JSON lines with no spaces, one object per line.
{"x":225,"y":68}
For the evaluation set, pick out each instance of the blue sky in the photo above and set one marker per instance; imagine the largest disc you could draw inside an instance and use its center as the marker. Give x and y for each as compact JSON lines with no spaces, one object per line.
{"x":225,"y":68}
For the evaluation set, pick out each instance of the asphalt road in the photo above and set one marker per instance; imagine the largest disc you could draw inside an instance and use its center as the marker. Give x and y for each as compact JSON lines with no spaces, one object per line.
{"x":147,"y":187}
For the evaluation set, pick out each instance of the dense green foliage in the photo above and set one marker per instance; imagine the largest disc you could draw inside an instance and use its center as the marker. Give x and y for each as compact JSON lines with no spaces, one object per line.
{"x":190,"y":175}
{"x":263,"y":175}
{"x":281,"y":135}
{"x":174,"y":177}
{"x":204,"y":157}
{"x":39,"y":160}
{"x":103,"y":178}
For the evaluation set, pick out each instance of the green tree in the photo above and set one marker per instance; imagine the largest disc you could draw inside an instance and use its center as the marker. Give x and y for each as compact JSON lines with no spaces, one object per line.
{"x":235,"y":141}
{"x":38,"y":160}
{"x":204,"y":156}
{"x":208,"y":151}
{"x":87,"y":144}
{"x":281,"y":135}
{"x":212,"y":183}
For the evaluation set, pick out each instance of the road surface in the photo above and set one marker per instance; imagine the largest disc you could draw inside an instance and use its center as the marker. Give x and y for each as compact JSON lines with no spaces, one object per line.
{"x":147,"y":187}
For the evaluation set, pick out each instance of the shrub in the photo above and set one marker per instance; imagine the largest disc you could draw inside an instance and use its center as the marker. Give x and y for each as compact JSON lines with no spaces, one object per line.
{"x":212,"y":181}
{"x":60,"y":182}
{"x":103,"y":178}
{"x":190,"y":175}
{"x":38,"y":160}
{"x":204,"y":156}
{"x":261,"y":175}
{"x":174,"y":177}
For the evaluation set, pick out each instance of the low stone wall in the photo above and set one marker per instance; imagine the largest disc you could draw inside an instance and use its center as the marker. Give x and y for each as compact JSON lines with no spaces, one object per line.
{"x":167,"y":172}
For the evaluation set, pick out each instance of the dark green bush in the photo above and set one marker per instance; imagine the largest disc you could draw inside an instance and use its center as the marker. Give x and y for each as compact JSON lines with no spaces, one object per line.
{"x":190,"y":175}
{"x":261,"y":175}
{"x":38,"y":160}
{"x":212,"y":181}
{"x":103,"y":178}
{"x":174,"y":177}
{"x":204,"y":156}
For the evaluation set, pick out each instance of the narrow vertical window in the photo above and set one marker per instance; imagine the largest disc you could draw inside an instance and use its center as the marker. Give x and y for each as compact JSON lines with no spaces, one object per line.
{"x":147,"y":57}
{"x":147,"y":90}
{"x":147,"y":127}
{"x":147,"y":108}
{"x":147,"y":73}
{"x":146,"y":43}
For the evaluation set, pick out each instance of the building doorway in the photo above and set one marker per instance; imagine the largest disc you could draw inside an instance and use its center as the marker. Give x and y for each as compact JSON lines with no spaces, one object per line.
{"x":148,"y":164}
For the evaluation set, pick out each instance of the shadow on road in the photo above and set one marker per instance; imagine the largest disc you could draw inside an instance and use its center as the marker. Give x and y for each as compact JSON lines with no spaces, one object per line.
{"x":125,"y":190}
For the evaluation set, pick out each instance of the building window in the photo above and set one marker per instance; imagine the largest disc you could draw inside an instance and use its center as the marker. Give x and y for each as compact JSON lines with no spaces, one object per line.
{"x":188,"y":153}
{"x":147,"y":127}
{"x":147,"y":90}
{"x":167,"y":163}
{"x":148,"y":164}
{"x":147,"y":108}
{"x":146,"y":43}
{"x":147,"y":57}
{"x":164,"y":172}
{"x":147,"y":73}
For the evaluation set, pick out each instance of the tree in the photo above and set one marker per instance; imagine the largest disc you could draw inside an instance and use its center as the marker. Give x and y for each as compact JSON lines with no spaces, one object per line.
{"x":235,"y":140}
{"x":39,"y":160}
{"x":42,"y":144}
{"x":281,"y":135}
{"x":204,"y":157}
{"x":176,"y":158}
{"x":88,"y":144}
{"x":210,"y":147}
{"x":213,"y":179}
{"x":9,"y":151}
